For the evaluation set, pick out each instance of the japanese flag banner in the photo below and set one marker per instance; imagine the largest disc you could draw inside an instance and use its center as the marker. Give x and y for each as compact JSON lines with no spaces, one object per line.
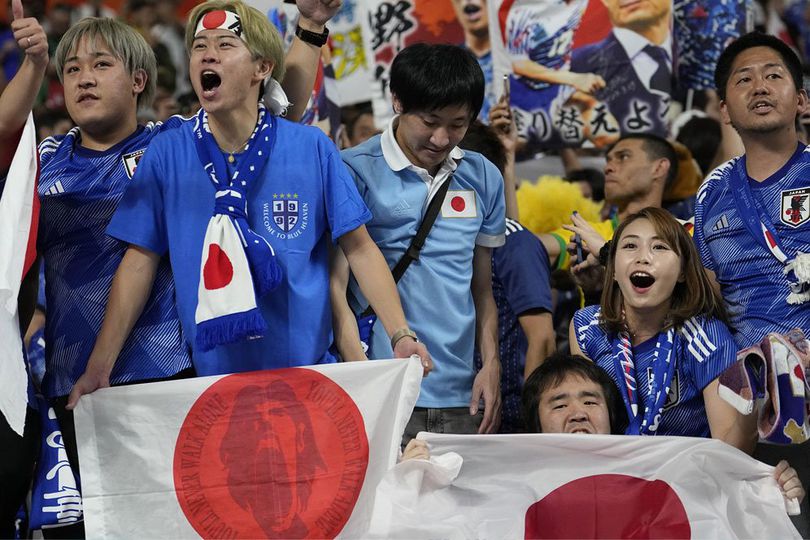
{"x":580,"y":486}
{"x":19,"y":210}
{"x":287,"y":453}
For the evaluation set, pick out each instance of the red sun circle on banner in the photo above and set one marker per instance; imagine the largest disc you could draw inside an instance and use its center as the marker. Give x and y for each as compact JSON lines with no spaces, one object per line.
{"x":609,"y":506}
{"x":271,"y":454}
{"x":458,"y":204}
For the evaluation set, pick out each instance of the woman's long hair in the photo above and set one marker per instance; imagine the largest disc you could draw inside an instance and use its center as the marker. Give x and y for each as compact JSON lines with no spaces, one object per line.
{"x":692,"y":296}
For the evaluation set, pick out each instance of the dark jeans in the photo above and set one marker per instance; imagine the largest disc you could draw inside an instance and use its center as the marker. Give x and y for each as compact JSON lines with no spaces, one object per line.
{"x":17,"y":458}
{"x":65,"y":419}
{"x":449,"y":420}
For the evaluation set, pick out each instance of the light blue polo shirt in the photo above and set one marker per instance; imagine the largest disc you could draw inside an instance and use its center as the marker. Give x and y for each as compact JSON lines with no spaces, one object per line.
{"x":435,"y":290}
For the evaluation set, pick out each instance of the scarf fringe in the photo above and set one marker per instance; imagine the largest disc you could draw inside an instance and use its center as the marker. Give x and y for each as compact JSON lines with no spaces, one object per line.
{"x":230,"y":329}
{"x":264,"y":267}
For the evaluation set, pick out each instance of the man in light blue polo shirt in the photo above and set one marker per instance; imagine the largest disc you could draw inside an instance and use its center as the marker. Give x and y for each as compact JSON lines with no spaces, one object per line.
{"x":447,"y":294}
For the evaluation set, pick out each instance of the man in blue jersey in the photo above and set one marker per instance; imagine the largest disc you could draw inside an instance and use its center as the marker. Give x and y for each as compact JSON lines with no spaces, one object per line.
{"x":251,"y":280}
{"x":107,"y":70}
{"x":447,"y":293}
{"x":752,"y":217}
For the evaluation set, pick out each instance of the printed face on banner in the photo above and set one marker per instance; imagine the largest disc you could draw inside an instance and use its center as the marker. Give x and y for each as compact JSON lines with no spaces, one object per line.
{"x":272,"y":454}
{"x":638,"y":15}
{"x":472,"y":15}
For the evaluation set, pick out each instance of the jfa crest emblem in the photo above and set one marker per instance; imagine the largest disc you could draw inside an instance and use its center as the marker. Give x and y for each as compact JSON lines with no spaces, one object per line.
{"x":795,"y":206}
{"x":131,"y":161}
{"x":285,"y":211}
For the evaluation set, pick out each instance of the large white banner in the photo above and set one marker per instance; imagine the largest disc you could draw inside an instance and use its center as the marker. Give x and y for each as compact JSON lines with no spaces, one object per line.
{"x":288,"y":453}
{"x":16,"y":212}
{"x":580,"y":486}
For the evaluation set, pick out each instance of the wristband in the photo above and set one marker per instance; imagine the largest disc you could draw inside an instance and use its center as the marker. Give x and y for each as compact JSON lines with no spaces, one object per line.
{"x":401,"y":333}
{"x":313,"y":38}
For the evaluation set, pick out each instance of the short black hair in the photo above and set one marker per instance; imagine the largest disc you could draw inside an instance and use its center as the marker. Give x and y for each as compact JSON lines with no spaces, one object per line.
{"x":482,"y":138}
{"x":755,"y":39}
{"x":594,"y":177}
{"x":350,"y":114}
{"x":702,"y":136}
{"x":552,"y":372}
{"x":655,"y":147}
{"x":426,"y":77}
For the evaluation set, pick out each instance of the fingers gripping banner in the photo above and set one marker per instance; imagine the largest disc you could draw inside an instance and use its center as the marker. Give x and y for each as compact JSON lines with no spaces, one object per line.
{"x":289,"y":453}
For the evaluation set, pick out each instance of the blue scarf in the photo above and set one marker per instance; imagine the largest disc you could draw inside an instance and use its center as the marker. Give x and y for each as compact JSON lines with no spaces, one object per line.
{"x":644,"y":420}
{"x":237,"y":266}
{"x":758,"y":224}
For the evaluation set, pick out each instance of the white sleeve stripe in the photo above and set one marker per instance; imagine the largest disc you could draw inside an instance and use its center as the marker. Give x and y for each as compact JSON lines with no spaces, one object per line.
{"x":702,"y":333}
{"x":582,"y":330}
{"x":700,"y":346}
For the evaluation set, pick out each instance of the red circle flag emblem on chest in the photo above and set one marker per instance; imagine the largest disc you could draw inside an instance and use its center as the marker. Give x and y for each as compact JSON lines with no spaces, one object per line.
{"x":218,"y":270}
{"x":271,"y":454}
{"x":609,"y":506}
{"x":458,"y":204}
{"x":213,"y":19}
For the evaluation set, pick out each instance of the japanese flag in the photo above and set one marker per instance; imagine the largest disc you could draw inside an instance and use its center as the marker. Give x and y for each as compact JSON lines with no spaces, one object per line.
{"x":288,"y":453}
{"x":225,"y":286}
{"x":19,"y":207}
{"x":459,"y":204}
{"x":580,"y":486}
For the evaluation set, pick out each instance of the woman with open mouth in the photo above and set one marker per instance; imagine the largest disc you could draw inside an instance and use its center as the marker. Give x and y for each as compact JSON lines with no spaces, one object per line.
{"x":661,"y":333}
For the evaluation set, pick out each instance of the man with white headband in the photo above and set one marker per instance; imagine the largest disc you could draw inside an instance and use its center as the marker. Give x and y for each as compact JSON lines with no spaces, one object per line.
{"x":108,"y":72}
{"x":245,"y":204}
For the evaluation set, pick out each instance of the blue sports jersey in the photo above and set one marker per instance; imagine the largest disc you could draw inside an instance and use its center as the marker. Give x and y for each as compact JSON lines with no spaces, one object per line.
{"x":703,"y":349}
{"x":79,"y":190}
{"x":520,"y":284}
{"x":751,"y":278}
{"x":305,"y":199}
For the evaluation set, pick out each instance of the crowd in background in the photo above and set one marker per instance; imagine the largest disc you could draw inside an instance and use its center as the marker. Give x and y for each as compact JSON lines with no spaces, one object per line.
{"x":544,"y":269}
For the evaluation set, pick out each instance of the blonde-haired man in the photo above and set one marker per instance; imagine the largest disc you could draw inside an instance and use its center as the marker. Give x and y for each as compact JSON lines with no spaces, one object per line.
{"x":245,"y":203}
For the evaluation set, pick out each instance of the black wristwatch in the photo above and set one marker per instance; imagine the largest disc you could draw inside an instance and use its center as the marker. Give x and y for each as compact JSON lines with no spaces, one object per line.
{"x":604,"y":253}
{"x":313,"y":38}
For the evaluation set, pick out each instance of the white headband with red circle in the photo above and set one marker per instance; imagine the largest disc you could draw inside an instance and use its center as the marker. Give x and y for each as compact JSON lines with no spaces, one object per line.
{"x":274,"y":96}
{"x":220,"y":20}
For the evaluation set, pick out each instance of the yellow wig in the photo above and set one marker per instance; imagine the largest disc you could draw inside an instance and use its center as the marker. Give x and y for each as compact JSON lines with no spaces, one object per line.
{"x":549,"y":203}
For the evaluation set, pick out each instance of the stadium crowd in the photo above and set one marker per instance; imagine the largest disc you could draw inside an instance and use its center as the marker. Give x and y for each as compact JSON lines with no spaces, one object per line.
{"x":190,"y":224}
